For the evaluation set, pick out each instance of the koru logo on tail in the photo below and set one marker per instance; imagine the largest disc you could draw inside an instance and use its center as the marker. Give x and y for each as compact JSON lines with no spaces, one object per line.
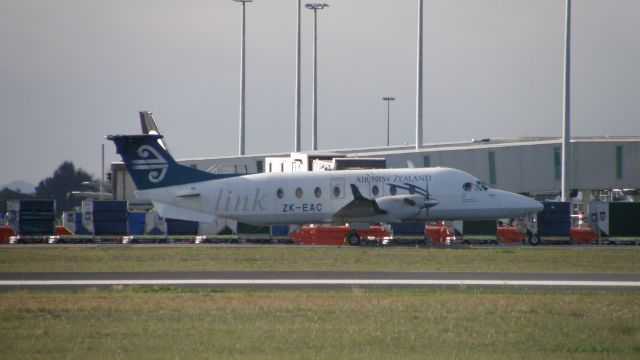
{"x":151,"y":160}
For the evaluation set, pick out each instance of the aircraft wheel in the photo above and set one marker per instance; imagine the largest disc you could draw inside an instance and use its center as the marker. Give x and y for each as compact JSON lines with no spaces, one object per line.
{"x":534,"y":240}
{"x":353,"y":239}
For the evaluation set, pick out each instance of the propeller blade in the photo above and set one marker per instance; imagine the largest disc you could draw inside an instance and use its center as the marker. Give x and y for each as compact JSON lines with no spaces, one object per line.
{"x":429,"y":203}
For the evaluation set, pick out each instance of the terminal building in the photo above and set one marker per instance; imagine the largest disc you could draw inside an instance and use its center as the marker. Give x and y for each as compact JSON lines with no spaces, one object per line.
{"x":601,"y":168}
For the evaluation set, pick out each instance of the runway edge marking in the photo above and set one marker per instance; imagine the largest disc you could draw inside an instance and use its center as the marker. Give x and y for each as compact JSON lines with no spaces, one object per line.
{"x":552,"y":283}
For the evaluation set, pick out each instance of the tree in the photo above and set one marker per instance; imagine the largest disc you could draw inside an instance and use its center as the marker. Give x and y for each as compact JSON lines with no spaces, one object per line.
{"x":8,"y":194}
{"x":64,"y":180}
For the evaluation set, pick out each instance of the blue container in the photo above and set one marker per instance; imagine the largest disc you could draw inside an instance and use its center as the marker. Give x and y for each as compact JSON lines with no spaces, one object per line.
{"x":36,"y":227}
{"x":279,"y":230}
{"x":556,"y":207}
{"x":37,"y":205}
{"x":136,"y":223}
{"x":110,"y":216}
{"x":554,"y":218}
{"x":554,"y":229}
{"x":110,"y":228}
{"x":155,"y":231}
{"x":30,"y":215}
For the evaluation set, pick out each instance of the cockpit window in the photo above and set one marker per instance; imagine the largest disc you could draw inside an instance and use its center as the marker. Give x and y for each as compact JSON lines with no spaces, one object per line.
{"x":467,"y":186}
{"x":480,"y":186}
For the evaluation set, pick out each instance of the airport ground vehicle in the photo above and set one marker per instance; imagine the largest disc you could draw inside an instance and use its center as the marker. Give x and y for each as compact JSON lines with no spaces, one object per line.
{"x":439,"y":234}
{"x":435,"y":233}
{"x":582,"y":235}
{"x":399,"y":234}
{"x":58,"y":232}
{"x":158,"y":239}
{"x":5,"y":233}
{"x":494,"y":235}
{"x":338,"y":235}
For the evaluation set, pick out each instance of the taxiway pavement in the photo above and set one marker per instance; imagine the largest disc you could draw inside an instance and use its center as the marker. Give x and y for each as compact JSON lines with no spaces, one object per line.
{"x":322,"y":280}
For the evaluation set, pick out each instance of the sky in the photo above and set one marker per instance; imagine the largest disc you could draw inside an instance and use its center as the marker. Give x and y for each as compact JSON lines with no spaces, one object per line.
{"x":73,"y":71}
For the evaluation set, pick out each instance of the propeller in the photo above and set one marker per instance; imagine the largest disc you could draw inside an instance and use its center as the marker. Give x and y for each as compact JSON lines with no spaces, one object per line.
{"x":419,"y":197}
{"x":429,"y":202}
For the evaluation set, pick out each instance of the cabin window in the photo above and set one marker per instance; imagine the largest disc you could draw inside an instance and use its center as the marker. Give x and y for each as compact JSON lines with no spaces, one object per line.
{"x":299,"y":193}
{"x":280,"y":193}
{"x":375,"y":190}
{"x":467,"y":186}
{"x":393,"y":190}
{"x":317,"y":192}
{"x":336,"y":191}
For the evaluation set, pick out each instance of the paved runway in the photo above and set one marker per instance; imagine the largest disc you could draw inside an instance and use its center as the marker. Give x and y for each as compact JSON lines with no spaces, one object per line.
{"x":330,"y":280}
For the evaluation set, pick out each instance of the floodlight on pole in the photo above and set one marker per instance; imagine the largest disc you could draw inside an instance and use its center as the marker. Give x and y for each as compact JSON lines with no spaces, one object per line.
{"x":388,"y":99}
{"x":419,"y":79}
{"x":296,"y":142}
{"x":242,"y":76}
{"x":566,"y":103}
{"x":314,"y":105}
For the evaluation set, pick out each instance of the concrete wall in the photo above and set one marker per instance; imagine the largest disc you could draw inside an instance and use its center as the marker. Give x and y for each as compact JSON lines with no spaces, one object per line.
{"x":520,"y":166}
{"x":532,"y":168}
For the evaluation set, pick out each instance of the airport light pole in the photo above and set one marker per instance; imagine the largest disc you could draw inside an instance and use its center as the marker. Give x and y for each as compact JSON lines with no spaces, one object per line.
{"x":566,"y":103}
{"x":242,"y":75}
{"x":388,"y":99}
{"x":419,"y":79}
{"x":102,"y":173}
{"x":297,"y":146}
{"x":314,"y":125}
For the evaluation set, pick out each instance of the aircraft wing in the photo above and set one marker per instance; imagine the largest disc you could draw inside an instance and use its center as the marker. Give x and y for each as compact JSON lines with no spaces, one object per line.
{"x":359,"y":207}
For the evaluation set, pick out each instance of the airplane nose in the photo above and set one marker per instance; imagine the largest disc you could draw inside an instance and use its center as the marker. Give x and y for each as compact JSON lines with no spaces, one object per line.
{"x":519,"y":205}
{"x":535,"y":206}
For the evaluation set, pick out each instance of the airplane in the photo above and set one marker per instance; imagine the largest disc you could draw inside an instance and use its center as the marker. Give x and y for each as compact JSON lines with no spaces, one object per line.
{"x":356,"y":197}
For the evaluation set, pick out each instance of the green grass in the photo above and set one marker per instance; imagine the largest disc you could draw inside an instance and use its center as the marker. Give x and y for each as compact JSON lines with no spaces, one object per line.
{"x":165,"y":323}
{"x":580,"y":260}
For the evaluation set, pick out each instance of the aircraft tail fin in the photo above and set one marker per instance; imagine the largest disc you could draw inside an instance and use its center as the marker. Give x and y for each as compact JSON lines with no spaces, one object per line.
{"x":151,"y":166}
{"x":149,"y":126}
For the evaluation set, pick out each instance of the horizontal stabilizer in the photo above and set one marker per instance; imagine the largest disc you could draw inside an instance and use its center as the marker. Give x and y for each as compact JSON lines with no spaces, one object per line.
{"x":180,"y":213}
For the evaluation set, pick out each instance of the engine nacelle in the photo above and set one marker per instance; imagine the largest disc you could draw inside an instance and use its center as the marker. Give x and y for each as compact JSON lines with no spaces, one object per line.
{"x":401,"y":207}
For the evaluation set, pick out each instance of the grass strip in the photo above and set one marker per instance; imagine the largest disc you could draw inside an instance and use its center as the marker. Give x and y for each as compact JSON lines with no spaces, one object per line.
{"x":166,"y":323}
{"x":193,"y":258}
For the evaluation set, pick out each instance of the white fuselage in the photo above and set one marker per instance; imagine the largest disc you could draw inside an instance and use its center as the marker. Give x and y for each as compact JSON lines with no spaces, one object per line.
{"x":315,"y":197}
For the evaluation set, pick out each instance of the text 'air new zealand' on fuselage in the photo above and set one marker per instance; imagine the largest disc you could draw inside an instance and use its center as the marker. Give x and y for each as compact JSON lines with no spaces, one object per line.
{"x":347,"y":196}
